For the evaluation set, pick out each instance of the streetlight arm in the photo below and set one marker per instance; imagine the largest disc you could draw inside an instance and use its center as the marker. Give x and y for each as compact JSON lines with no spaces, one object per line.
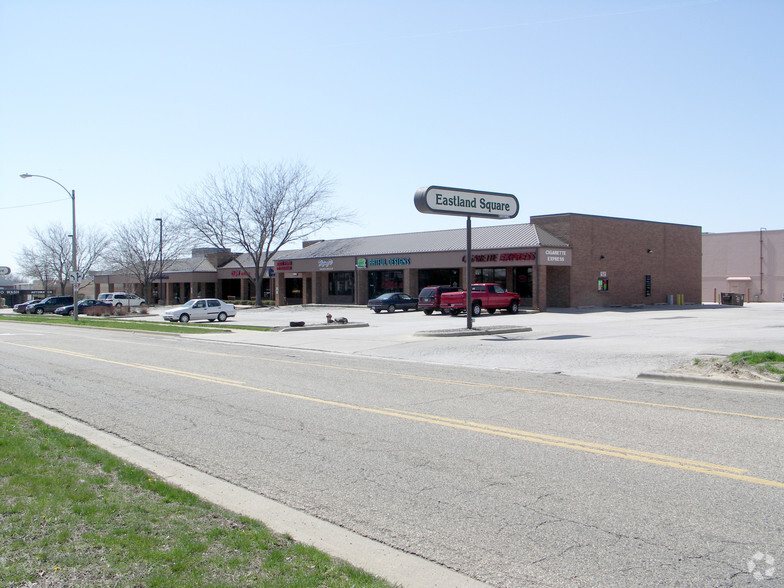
{"x":25,"y":176}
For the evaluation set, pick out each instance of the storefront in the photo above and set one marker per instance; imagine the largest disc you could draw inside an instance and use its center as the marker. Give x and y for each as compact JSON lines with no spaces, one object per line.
{"x":565,"y":260}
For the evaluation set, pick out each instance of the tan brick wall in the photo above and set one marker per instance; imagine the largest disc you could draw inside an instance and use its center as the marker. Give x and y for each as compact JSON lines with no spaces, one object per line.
{"x":619,"y":248}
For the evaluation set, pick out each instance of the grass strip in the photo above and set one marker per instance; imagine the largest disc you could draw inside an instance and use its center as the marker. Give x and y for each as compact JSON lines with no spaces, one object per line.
{"x":763,"y":361}
{"x":72,"y":514}
{"x":130,"y":324}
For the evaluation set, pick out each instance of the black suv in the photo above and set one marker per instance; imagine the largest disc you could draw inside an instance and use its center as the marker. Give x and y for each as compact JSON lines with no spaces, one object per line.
{"x":48,"y":304}
{"x":430,"y":298}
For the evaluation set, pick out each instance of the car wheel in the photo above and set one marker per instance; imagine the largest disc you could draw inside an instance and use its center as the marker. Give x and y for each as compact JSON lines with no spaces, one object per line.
{"x":490,"y":310}
{"x":184,"y":318}
{"x":118,"y":306}
{"x":211,"y":320}
{"x":70,"y":312}
{"x":222,"y":317}
{"x":428,"y":312}
{"x":476,"y":309}
{"x":391,"y":308}
{"x":513,"y":307}
{"x":39,"y":311}
{"x":377,"y":310}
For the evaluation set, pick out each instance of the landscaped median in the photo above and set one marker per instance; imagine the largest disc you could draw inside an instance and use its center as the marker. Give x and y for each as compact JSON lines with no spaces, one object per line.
{"x":74,"y":515}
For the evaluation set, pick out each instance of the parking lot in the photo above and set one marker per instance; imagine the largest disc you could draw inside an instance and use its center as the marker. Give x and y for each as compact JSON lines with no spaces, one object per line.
{"x":615,"y":343}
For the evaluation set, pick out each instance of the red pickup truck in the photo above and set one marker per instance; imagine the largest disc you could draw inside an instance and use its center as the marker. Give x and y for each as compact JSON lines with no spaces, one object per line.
{"x":491,"y":297}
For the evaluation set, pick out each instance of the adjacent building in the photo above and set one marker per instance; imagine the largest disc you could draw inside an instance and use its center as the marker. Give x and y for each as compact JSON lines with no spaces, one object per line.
{"x":749,"y":263}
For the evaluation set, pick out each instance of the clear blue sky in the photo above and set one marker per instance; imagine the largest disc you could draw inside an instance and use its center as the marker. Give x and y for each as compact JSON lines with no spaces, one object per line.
{"x":665,"y":110}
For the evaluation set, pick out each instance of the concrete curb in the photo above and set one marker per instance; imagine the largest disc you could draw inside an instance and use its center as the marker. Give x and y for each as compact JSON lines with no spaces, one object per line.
{"x":317,"y":327}
{"x":773,"y":386}
{"x":395,"y":566}
{"x":476,"y":331}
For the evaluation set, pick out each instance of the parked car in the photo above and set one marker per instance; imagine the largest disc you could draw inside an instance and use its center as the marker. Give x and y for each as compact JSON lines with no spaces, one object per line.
{"x":20,"y":308}
{"x":120,"y":299}
{"x":430,"y":298}
{"x":201,"y":309}
{"x":491,"y":297}
{"x":391,"y":301}
{"x":88,"y":306}
{"x":49,"y":304}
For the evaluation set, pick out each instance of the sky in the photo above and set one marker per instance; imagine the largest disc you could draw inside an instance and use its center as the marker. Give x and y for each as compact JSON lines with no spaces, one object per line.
{"x":662,"y":110}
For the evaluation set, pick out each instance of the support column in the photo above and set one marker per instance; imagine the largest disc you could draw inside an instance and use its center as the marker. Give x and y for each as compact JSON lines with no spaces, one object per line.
{"x":539,"y":301}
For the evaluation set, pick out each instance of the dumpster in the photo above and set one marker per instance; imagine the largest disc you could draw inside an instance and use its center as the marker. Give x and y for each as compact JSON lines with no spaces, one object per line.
{"x":732,"y":299}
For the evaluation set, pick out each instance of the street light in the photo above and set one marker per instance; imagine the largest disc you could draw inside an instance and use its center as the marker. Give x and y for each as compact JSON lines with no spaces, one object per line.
{"x":75,"y":274}
{"x":160,"y":257}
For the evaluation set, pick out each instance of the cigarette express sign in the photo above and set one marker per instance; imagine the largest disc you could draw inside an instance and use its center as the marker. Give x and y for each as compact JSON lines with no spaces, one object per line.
{"x":459,"y":202}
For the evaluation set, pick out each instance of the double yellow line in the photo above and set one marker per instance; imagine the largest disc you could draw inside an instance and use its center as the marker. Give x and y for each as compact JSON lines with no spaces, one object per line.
{"x":485,"y":429}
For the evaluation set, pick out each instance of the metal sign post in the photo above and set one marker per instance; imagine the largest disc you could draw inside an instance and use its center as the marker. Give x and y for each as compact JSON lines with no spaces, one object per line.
{"x":467,"y":203}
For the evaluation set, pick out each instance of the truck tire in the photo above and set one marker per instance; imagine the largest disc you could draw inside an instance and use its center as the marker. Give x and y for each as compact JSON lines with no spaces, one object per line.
{"x":476,"y":308}
{"x":491,"y":311}
{"x":513,"y":307}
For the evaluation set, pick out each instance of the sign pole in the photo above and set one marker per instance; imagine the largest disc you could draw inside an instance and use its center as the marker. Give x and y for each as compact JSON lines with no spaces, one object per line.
{"x":469,"y":279}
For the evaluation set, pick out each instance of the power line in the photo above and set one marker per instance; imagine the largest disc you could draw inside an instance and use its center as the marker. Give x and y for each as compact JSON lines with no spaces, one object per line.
{"x":28,"y":205}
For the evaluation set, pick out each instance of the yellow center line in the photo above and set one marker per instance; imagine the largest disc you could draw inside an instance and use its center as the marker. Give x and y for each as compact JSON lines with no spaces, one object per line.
{"x":542,"y":439}
{"x":502,"y":387}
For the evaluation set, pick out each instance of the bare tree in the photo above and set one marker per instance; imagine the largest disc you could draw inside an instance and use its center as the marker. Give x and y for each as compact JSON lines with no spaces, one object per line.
{"x":54,"y":244}
{"x":135,"y":248}
{"x":35,"y":264}
{"x":50,"y":258}
{"x":258,"y":210}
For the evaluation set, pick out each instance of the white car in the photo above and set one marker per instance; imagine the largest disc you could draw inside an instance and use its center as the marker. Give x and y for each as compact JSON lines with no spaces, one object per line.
{"x":120,"y":299}
{"x":201,"y":309}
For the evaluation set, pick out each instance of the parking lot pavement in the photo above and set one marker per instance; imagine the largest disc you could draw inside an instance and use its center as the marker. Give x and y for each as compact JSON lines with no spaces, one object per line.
{"x":614,"y":343}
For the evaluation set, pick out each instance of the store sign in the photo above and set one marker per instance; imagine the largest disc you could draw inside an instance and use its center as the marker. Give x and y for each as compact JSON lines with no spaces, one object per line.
{"x":4,"y":270}
{"x":325,"y":263}
{"x":284,"y":265}
{"x":459,"y":202}
{"x":502,"y":257}
{"x":239,"y":274}
{"x":363,"y":263}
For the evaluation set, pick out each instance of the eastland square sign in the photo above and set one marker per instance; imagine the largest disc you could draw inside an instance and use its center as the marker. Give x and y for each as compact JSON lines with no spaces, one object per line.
{"x":459,"y":202}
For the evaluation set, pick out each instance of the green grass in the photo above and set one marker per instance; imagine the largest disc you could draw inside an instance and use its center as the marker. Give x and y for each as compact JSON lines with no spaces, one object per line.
{"x":764,"y":361}
{"x":129,"y":323}
{"x":74,"y":515}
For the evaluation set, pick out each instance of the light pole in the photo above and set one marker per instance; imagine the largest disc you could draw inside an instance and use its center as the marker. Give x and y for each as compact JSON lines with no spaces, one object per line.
{"x":160,"y":257}
{"x":75,"y":273}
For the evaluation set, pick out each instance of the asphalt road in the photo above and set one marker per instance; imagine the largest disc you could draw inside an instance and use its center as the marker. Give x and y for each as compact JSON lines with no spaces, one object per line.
{"x":513,"y":476}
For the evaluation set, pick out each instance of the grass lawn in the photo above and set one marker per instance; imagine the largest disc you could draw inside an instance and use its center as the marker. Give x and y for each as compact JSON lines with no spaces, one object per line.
{"x":72,"y":514}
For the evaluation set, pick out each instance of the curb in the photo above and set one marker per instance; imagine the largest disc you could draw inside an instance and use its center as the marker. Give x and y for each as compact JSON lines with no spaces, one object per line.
{"x":307,"y":327}
{"x":773,"y":386}
{"x":476,"y":331}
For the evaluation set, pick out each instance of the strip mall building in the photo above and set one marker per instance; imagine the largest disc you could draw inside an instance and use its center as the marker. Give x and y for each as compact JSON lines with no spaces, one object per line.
{"x":560,"y":260}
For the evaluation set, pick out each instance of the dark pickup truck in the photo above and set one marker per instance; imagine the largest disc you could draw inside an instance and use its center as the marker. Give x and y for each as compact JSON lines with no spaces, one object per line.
{"x":491,"y":297}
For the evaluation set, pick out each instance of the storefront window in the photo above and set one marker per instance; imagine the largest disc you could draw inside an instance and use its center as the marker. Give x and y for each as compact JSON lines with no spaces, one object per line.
{"x":438,"y":277}
{"x":381,"y":282}
{"x":341,"y":283}
{"x":490,"y":275}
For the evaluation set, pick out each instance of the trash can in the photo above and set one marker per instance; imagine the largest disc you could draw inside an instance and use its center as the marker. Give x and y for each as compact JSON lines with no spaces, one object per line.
{"x":732,"y":299}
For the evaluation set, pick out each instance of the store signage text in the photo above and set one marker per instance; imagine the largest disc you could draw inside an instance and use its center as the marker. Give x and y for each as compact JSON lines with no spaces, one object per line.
{"x":363,"y":263}
{"x":555,"y":254}
{"x":491,"y":257}
{"x":239,"y":274}
{"x":456,"y":201}
{"x":286,"y":264}
{"x":325,"y":263}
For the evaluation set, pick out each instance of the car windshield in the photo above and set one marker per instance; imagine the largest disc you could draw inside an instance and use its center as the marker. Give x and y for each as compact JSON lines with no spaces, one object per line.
{"x":386,"y":296}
